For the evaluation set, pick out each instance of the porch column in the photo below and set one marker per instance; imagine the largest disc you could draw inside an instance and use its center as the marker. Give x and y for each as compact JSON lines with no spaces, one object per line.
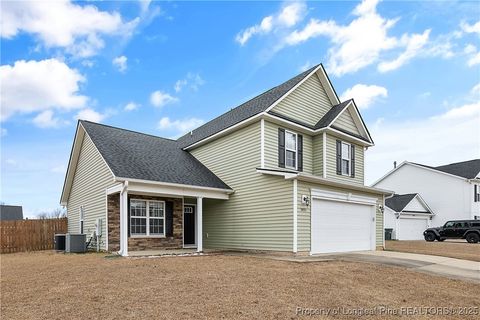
{"x":199,"y":224}
{"x":123,"y":220}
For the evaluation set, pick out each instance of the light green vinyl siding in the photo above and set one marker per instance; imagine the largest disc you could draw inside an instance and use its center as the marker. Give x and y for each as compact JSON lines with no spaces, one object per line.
{"x":379,"y":223}
{"x":259,"y":214}
{"x":345,"y":122}
{"x":332,"y":162}
{"x":308,"y":103}
{"x":271,"y":148}
{"x":91,"y":178}
{"x":318,"y":155}
{"x":304,"y":212}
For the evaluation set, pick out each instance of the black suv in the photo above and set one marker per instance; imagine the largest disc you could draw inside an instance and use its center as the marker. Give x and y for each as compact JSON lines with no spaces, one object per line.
{"x":457,"y":229}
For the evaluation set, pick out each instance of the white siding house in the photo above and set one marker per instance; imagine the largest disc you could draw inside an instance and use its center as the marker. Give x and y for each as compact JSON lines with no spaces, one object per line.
{"x":450,"y":191}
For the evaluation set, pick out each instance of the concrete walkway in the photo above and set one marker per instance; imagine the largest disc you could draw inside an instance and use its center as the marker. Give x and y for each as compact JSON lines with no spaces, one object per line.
{"x":449,"y":267}
{"x":441,"y":266}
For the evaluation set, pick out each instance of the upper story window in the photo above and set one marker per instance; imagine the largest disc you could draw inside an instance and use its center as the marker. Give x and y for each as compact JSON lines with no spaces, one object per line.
{"x":345,"y":159}
{"x":290,"y":150}
{"x":476,"y":193}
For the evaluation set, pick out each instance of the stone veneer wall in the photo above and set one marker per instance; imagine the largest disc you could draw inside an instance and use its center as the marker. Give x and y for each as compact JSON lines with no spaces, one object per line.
{"x":146,"y":243}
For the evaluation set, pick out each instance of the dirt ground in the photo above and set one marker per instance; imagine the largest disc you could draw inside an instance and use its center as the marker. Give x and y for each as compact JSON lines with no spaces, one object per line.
{"x":452,"y":249}
{"x":47,"y":285}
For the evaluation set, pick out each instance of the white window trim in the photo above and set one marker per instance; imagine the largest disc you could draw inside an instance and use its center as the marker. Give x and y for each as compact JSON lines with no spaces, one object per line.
{"x":147,"y":216}
{"x":292,"y":150}
{"x":349,"y":159}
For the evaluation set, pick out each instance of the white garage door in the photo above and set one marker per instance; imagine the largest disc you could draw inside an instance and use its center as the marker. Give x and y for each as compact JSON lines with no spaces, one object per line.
{"x":411,"y":229}
{"x":341,"y":226}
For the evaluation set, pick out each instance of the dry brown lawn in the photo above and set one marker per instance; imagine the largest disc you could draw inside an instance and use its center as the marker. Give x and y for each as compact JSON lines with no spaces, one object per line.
{"x":452,"y":249}
{"x":48,"y":285}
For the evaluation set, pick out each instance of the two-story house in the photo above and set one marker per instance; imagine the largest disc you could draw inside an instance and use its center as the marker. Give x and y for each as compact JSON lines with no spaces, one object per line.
{"x":284,"y":171}
{"x":447,"y":192}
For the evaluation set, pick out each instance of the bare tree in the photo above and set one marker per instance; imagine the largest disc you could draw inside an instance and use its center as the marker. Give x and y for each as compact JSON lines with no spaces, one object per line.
{"x":57,"y":213}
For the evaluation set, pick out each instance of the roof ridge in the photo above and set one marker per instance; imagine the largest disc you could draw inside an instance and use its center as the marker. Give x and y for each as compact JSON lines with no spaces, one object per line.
{"x":123,"y":129}
{"x":255,"y":97}
{"x":444,"y":165}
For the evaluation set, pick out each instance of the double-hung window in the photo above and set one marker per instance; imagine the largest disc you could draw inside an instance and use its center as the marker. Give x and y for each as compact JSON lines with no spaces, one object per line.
{"x":346,"y":159}
{"x":147,"y":218}
{"x":290,"y":150}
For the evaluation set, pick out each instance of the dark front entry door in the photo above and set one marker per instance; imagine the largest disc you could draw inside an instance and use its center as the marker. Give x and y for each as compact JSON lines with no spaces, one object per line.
{"x":189,"y":225}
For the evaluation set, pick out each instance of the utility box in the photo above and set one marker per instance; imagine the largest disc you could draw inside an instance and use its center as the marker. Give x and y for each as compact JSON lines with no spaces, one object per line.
{"x":388,"y":233}
{"x":98,"y":227}
{"x":75,"y":243}
{"x":59,"y":240}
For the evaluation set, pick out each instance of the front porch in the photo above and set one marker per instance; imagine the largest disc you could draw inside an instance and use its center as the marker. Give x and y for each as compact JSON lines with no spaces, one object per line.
{"x":149,"y":217}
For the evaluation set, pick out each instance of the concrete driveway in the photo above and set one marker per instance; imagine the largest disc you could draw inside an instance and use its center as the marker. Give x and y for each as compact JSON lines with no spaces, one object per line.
{"x":449,"y":267}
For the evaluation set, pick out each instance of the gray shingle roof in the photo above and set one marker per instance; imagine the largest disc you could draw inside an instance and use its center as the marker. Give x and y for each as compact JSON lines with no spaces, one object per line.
{"x":466,"y":169}
{"x":399,"y":201}
{"x":244,"y":111}
{"x":331,"y":115}
{"x":11,"y":212}
{"x":136,"y":155}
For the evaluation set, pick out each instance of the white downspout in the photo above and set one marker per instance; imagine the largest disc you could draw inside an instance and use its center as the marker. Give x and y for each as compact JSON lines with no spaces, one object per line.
{"x":295,"y":216}
{"x":123,"y":220}
{"x":199,"y":224}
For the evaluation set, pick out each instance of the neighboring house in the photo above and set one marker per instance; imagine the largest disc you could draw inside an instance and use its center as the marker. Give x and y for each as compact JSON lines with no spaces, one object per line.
{"x":284,"y":171}
{"x":451,"y":191}
{"x":408,"y":215}
{"x":11,"y":212}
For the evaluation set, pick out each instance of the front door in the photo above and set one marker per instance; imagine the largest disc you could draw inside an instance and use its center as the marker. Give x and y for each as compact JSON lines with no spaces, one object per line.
{"x":189,"y":225}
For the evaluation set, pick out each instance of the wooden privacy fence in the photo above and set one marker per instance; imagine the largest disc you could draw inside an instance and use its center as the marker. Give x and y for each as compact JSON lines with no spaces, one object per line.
{"x":30,"y":235}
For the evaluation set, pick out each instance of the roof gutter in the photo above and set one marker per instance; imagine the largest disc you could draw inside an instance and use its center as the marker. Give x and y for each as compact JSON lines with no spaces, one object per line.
{"x":300,"y":176}
{"x":178,"y":185}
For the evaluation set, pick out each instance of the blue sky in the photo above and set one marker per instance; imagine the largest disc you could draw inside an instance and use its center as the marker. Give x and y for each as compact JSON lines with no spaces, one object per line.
{"x":166,"y":67}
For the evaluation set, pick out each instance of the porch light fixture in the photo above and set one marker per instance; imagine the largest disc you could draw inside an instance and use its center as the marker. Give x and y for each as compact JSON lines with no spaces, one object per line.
{"x":305,"y":200}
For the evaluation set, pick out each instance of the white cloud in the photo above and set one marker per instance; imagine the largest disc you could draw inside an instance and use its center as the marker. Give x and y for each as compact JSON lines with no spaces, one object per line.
{"x":425,"y":141}
{"x":30,"y":86}
{"x":193,"y":80}
{"x":159,"y":98}
{"x":120,"y":63}
{"x":364,"y":40}
{"x":180,"y":84}
{"x":144,"y":4}
{"x":62,"y":24}
{"x":473,"y":55}
{"x":476,"y":91}
{"x":46,"y":119}
{"x":364,"y":95}
{"x":131,"y":106}
{"x":90,"y":115}
{"x":59,"y":169}
{"x":88,"y":63}
{"x":181,"y":126}
{"x":307,"y":65}
{"x":291,"y":14}
{"x":356,"y":45}
{"x":288,"y":16}
{"x":470,"y":28}
{"x":414,"y":44}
